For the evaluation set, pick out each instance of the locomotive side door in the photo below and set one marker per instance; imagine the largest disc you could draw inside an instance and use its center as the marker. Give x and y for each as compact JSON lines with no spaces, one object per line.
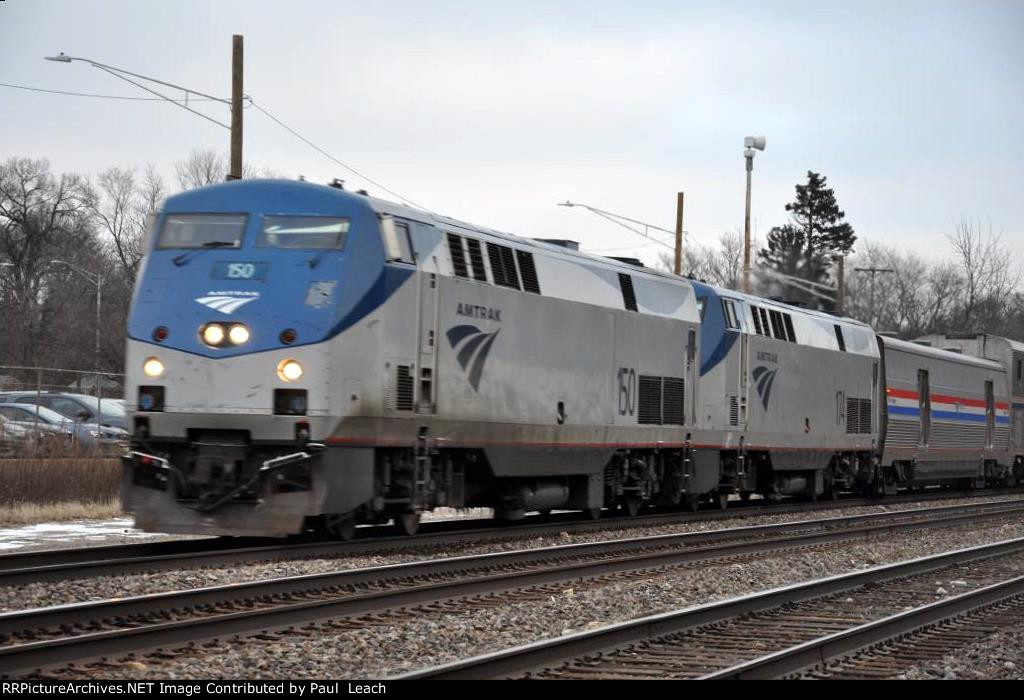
{"x":426,"y":348}
{"x":735,"y":366}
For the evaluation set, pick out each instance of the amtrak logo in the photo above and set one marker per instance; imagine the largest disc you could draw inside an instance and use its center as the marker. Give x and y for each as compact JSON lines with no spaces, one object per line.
{"x":763,"y":380}
{"x":472,"y":345}
{"x":227,"y":302}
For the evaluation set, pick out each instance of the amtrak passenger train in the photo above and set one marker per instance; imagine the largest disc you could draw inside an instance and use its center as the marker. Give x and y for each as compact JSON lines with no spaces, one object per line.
{"x":302,"y":357}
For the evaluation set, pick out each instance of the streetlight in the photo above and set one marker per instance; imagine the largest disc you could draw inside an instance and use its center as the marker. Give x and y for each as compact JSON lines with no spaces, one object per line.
{"x":97,"y":279}
{"x":235,"y":102}
{"x":750,"y":143}
{"x":619,"y":219}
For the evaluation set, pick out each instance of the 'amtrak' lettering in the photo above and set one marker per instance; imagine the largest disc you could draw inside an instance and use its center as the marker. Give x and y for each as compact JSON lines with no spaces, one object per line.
{"x":484,"y":312}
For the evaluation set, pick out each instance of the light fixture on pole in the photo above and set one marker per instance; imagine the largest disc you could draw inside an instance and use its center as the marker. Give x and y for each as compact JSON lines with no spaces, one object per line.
{"x":97,"y":279}
{"x":620,"y":220}
{"x":235,"y":102}
{"x":750,"y":145}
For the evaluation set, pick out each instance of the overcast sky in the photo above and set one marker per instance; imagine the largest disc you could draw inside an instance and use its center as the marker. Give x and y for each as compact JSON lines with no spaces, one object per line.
{"x":493,"y":112}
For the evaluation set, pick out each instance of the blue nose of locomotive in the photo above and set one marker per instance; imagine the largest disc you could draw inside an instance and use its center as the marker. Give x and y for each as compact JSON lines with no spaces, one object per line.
{"x":253,"y":265}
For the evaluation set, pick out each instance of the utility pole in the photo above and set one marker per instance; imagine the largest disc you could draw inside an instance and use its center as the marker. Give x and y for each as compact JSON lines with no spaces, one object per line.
{"x":840,"y":283}
{"x":679,"y":233}
{"x":873,"y":271}
{"x":236,"y":108}
{"x":749,"y":143}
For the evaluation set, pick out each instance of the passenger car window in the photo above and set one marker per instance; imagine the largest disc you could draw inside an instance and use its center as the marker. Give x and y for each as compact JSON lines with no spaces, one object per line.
{"x":303,"y":232}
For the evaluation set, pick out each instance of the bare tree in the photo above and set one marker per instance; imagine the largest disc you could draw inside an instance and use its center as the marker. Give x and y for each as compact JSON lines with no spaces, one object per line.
{"x":205,"y":167}
{"x":721,"y":266}
{"x":42,"y":217}
{"x":202,"y":167}
{"x":989,"y":272}
{"x":122,"y":209}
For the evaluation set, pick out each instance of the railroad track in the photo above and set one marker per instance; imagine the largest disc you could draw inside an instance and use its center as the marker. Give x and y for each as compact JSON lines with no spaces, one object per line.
{"x":31,"y":640}
{"x":924,"y":640}
{"x":64,"y":564}
{"x":786,"y":630}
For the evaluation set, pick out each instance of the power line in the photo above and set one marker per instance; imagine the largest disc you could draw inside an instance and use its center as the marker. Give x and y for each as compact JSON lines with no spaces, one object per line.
{"x":320,"y":150}
{"x":162,"y":98}
{"x":106,"y":97}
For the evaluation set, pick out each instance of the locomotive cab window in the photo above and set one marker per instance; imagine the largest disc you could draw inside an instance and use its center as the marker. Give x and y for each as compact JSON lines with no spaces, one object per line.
{"x":729,"y":307}
{"x":202,"y":231}
{"x":395,"y":236}
{"x":303,"y":232}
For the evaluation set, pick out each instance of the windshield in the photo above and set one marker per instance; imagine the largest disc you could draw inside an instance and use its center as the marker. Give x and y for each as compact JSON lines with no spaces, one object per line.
{"x":303,"y":232}
{"x":110,"y":406}
{"x":202,"y":231}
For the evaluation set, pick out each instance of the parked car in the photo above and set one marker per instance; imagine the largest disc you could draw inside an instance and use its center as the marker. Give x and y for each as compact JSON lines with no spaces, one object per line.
{"x":13,"y":438}
{"x":89,"y":436}
{"x":80,"y":408}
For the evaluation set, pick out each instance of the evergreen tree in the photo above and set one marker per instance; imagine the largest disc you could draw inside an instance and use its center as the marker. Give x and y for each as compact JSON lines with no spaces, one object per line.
{"x":816,"y":232}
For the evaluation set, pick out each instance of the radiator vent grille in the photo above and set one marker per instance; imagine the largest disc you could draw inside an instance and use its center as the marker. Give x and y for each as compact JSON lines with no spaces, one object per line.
{"x":649,"y":403}
{"x":858,"y":415}
{"x":628,"y":296}
{"x":403,"y":389}
{"x":503,"y":265}
{"x":528,"y":271}
{"x":476,"y":259}
{"x":661,"y":400}
{"x":458,"y":256}
{"x":734,"y":411}
{"x":673,"y":401}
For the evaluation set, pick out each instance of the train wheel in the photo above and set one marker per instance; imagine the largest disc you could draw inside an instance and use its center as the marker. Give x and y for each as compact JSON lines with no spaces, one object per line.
{"x":722,"y":499}
{"x":342,"y":527}
{"x":632,"y":505}
{"x":594,"y":513}
{"x":408,"y":523}
{"x":692,"y":502}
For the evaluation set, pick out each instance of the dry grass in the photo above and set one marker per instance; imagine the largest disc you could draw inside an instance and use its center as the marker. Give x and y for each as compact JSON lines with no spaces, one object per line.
{"x":27,"y":513}
{"x":36,"y":490}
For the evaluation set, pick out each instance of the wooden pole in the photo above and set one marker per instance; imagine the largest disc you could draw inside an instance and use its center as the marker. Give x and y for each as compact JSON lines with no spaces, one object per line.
{"x":679,"y":233}
{"x":236,"y":108}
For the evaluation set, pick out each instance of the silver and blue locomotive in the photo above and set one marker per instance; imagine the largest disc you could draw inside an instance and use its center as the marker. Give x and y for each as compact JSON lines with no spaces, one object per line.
{"x":302,"y":357}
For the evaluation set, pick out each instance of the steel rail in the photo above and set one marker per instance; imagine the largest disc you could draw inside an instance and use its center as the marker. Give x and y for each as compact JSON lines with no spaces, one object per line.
{"x":63,"y":564}
{"x":552,"y":652}
{"x":415,"y":583}
{"x":819,"y":651}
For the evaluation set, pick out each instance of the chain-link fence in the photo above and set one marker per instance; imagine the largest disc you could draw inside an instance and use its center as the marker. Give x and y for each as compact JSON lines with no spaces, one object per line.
{"x":51,"y":412}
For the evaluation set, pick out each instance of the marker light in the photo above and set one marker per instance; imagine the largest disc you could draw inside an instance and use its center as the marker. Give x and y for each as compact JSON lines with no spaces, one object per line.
{"x":213,"y":334}
{"x":238,"y":334}
{"x":153,"y":367}
{"x":289,"y":370}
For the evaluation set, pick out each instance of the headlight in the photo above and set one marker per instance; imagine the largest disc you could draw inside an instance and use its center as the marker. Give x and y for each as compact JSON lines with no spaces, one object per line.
{"x":238,"y":334}
{"x":153,"y":367}
{"x":289,"y":370}
{"x":213,"y":334}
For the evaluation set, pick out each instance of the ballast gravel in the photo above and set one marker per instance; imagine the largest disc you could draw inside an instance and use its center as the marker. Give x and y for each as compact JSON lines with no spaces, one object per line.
{"x":105,"y":587}
{"x":430,"y":638}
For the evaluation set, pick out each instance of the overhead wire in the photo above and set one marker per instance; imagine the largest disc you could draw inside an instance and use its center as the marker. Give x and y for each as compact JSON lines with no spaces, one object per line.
{"x":106,"y":97}
{"x":324,"y":153}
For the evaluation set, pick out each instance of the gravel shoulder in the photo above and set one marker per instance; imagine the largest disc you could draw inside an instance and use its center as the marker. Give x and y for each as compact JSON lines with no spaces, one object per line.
{"x":999,"y":656}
